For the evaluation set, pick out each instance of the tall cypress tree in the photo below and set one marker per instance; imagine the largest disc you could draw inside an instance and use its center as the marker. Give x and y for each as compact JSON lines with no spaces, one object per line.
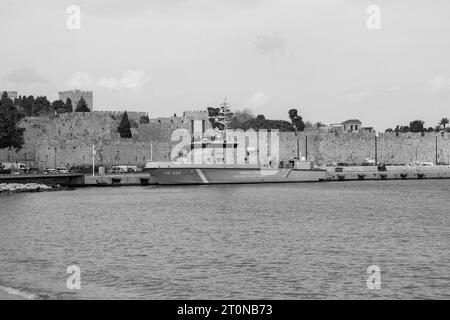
{"x":82,"y":106}
{"x":11,"y":136}
{"x":124,"y":128}
{"x":68,"y":105}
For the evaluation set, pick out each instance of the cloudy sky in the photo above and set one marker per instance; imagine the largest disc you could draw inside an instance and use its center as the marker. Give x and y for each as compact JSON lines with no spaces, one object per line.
{"x":167,"y":56}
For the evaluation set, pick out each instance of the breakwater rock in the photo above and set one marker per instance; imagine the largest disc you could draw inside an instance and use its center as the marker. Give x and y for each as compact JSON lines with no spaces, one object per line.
{"x":25,"y":187}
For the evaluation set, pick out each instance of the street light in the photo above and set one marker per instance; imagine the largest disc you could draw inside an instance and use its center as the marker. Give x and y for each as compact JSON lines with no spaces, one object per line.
{"x":93,"y":160}
{"x":436,"y":146}
{"x":306,"y":147}
{"x":376,"y":146}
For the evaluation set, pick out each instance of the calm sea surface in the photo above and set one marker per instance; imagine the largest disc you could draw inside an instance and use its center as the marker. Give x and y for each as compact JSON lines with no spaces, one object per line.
{"x":280,"y":241}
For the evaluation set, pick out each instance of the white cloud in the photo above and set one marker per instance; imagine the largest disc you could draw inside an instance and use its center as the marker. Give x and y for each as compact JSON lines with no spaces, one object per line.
{"x":80,"y":80}
{"x":270,"y":43}
{"x":25,"y":76}
{"x":357,"y":96}
{"x":440,"y":82}
{"x":134,"y":79}
{"x":258,"y":100}
{"x":108,"y":83}
{"x":130,"y":79}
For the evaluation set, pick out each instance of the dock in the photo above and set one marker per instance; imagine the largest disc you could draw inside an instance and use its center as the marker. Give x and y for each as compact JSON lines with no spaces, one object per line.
{"x":50,"y":179}
{"x":124,"y":179}
{"x":391,"y":173}
{"x":350,"y":173}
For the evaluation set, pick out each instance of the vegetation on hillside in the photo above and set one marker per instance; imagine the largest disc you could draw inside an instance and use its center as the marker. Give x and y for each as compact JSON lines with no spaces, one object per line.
{"x":11,"y":136}
{"x":40,"y":106}
{"x":82,"y":106}
{"x":124,"y":127}
{"x":419,"y":126}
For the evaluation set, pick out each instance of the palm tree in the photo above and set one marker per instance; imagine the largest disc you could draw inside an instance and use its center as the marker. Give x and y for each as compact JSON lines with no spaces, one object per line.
{"x":444,"y":122}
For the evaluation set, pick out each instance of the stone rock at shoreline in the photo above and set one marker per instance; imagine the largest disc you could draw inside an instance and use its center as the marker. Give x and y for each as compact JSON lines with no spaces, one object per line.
{"x":23,"y":187}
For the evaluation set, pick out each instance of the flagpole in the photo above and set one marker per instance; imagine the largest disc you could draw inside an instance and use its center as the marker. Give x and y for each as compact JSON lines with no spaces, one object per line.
{"x":93,"y":160}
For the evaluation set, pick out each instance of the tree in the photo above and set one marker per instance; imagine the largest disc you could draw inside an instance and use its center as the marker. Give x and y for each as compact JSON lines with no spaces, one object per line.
{"x":59,"y":106}
{"x":293,"y":113}
{"x":124,"y":128}
{"x":309,"y":125}
{"x":144,"y":119}
{"x":68,"y":105}
{"x":82,"y":106}
{"x":27,"y":105}
{"x":443,"y":122}
{"x":320,"y":124}
{"x":11,"y":136}
{"x":405,"y":129}
{"x":41,"y":107}
{"x":260,"y":118}
{"x":416,"y":126}
{"x":241,"y":119}
{"x":296,"y":120}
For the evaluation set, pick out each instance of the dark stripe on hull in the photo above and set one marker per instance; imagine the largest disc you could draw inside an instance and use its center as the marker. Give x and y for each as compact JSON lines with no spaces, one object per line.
{"x":176,"y":176}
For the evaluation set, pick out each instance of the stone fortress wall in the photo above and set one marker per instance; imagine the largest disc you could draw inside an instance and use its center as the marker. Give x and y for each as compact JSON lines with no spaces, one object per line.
{"x":75,"y":96}
{"x":68,"y":139}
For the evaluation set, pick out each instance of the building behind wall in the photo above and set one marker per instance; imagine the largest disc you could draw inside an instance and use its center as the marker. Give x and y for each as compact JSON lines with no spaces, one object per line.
{"x":11,"y":94}
{"x":75,"y":96}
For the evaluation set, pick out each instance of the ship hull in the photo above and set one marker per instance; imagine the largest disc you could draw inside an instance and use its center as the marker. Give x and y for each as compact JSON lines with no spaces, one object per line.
{"x":177,"y":176}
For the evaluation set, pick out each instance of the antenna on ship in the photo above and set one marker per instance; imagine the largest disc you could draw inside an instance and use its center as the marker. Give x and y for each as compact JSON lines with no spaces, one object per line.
{"x":224,"y":114}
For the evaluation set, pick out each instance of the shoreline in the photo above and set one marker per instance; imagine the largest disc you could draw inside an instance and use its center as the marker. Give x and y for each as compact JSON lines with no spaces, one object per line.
{"x":8,"y":188}
{"x":7,"y":293}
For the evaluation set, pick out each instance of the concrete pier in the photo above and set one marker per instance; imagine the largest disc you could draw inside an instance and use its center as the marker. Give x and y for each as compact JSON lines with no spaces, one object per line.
{"x":391,"y":173}
{"x":125,"y":179}
{"x":51,"y":179}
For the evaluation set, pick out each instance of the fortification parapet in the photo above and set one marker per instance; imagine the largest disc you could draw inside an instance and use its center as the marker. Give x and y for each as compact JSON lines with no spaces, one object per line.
{"x":196,"y":114}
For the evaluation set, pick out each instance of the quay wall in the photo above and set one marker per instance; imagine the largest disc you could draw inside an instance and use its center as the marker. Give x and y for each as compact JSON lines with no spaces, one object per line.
{"x":69,"y":138}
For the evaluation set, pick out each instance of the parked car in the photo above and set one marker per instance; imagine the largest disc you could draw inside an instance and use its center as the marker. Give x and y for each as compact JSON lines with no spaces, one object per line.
{"x":32,"y":170}
{"x":62,"y":170}
{"x":427,"y":163}
{"x":86,"y":169}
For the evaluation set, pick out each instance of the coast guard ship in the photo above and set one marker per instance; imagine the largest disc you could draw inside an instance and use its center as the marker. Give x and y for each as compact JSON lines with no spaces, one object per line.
{"x":219,"y":172}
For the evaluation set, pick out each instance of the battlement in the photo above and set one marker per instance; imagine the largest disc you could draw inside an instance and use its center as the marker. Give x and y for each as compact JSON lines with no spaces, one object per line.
{"x":75,"y":96}
{"x":198,"y":114}
{"x":11,"y":94}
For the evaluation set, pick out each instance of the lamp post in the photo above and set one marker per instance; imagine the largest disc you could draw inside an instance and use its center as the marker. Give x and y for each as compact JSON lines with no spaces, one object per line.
{"x":93,"y":160}
{"x":306,"y":148}
{"x":436,"y":146}
{"x":376,"y":147}
{"x":55,"y":158}
{"x":436,"y":153}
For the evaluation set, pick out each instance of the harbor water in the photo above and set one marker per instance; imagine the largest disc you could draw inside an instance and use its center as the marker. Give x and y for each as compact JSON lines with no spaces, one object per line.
{"x":268,"y":241}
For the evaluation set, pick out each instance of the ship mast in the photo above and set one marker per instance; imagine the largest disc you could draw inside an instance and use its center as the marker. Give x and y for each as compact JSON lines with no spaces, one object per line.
{"x":224,"y":114}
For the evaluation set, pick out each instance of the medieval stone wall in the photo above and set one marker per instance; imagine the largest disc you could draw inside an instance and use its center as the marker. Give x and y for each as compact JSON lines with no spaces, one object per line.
{"x":69,"y":139}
